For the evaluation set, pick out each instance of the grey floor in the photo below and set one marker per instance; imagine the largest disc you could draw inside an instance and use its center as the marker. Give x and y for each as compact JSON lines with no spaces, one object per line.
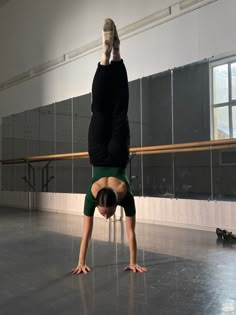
{"x":190,"y":272}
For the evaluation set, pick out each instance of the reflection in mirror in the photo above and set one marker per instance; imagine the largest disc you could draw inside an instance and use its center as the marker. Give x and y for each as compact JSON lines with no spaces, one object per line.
{"x":19,"y":150}
{"x":82,"y":171}
{"x":47,"y":129}
{"x":223,"y":174}
{"x":157,"y":130}
{"x":134,"y":167}
{"x":63,"y":144}
{"x":32,"y":132}
{"x":18,"y":135}
{"x":191,"y":112}
{"x":7,"y":138}
{"x":158,"y":175}
{"x":47,"y":146}
{"x":193,"y":175}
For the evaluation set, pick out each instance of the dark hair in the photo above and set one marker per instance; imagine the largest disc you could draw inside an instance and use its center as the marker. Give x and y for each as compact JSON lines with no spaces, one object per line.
{"x":106,"y":197}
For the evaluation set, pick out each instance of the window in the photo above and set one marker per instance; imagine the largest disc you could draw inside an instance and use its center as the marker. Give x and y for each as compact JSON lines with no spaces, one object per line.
{"x":223,"y":96}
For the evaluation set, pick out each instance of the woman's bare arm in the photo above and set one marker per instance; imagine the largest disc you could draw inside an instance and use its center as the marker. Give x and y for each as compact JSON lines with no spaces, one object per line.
{"x":87,"y":232}
{"x":130,"y":227}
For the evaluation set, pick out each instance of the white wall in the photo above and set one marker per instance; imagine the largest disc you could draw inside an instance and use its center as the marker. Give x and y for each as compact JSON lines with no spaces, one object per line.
{"x":193,"y":214}
{"x":34,"y":32}
{"x":38,"y":31}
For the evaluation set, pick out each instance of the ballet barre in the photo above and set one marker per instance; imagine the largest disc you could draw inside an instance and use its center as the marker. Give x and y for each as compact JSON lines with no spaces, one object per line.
{"x":159,"y":149}
{"x":210,"y":145}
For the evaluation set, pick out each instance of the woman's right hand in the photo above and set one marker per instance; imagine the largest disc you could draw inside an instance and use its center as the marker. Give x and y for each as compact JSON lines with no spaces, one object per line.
{"x":80,"y":269}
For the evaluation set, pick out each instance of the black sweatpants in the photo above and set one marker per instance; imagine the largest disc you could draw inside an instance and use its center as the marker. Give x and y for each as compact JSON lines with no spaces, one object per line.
{"x":109,"y":134}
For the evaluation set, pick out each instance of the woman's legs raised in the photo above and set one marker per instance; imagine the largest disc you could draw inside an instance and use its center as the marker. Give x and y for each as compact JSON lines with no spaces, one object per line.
{"x":107,"y":41}
{"x":109,"y":127}
{"x":100,"y":125}
{"x":120,"y":138}
{"x":102,"y":93}
{"x":116,"y":46}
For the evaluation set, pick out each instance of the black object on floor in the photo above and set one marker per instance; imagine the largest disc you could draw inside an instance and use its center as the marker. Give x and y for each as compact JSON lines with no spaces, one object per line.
{"x":226,"y":235}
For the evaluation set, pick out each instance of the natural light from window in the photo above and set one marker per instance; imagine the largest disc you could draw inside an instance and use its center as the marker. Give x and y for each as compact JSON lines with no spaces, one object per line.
{"x":221,"y":121}
{"x":224,"y":100}
{"x":220,"y":84}
{"x":233,"y":80}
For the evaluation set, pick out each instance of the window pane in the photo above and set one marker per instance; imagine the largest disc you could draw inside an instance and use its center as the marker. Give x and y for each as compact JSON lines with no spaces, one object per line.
{"x":220,"y":84}
{"x":234,"y":121}
{"x":221,"y":123}
{"x":233,"y":79}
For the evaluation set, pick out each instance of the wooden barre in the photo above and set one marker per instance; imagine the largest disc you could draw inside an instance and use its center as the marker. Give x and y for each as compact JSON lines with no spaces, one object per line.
{"x":160,"y":149}
{"x":184,"y":145}
{"x":197,"y":149}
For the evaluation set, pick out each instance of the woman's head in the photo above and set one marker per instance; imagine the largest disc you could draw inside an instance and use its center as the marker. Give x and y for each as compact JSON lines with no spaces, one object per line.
{"x":106,"y":201}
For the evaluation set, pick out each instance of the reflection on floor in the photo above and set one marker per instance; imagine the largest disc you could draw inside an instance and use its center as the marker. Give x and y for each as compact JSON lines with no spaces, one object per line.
{"x":190,"y":272}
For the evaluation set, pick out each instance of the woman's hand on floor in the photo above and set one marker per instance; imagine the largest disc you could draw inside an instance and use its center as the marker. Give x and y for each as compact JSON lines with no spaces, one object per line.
{"x":80,"y":269}
{"x":136,"y":268}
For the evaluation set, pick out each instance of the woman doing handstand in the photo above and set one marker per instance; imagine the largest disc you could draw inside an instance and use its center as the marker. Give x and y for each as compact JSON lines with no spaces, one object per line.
{"x":108,"y":142}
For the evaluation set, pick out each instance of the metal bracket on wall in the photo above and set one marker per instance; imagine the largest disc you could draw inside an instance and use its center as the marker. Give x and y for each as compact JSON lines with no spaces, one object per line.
{"x":45,"y":177}
{"x":30,"y":180}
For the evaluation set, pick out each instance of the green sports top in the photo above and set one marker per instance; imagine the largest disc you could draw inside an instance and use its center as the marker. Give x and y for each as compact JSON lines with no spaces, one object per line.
{"x":103,"y":171}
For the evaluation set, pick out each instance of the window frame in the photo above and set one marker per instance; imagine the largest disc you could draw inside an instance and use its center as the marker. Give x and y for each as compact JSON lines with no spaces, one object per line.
{"x":230,"y":103}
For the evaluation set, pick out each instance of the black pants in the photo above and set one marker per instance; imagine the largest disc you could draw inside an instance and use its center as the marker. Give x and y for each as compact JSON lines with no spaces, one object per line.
{"x":109,"y":134}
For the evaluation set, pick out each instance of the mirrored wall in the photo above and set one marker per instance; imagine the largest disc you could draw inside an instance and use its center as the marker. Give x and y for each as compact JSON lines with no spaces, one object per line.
{"x":166,"y":108}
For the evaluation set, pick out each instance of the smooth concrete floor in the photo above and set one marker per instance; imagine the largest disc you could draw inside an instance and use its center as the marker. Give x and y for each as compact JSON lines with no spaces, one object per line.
{"x":190,"y":272}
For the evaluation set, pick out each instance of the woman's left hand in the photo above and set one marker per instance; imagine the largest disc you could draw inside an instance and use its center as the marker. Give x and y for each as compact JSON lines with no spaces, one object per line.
{"x":136,"y":268}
